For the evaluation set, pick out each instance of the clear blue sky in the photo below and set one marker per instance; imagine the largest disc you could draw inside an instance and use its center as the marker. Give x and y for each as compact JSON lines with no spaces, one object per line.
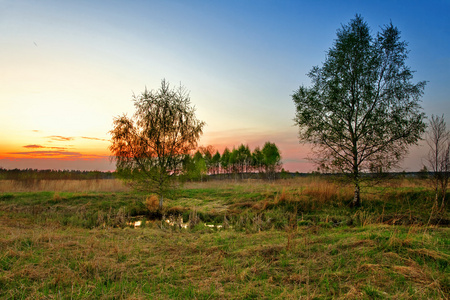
{"x":69,"y":67}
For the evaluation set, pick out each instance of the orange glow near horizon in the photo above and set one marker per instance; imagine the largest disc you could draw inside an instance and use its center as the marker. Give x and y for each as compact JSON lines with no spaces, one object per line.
{"x":36,"y":149}
{"x":28,"y":147}
{"x":84,"y":150}
{"x":41,"y":151}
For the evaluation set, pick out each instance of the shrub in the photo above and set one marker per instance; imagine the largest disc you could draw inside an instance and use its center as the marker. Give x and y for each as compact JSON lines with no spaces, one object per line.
{"x":152,"y":203}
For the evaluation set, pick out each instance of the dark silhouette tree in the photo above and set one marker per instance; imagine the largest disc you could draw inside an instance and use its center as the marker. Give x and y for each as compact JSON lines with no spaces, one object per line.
{"x":150,"y":147}
{"x":362,"y":110}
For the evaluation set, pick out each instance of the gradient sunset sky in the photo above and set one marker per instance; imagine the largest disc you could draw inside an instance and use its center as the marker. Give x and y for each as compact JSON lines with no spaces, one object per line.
{"x":67,"y":68}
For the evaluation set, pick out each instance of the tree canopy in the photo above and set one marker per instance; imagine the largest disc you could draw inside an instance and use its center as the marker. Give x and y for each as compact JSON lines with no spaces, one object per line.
{"x":271,"y":159}
{"x":149,"y":147}
{"x":362,"y":111}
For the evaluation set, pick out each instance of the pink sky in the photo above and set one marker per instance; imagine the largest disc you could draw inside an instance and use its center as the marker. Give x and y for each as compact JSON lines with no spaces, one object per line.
{"x":63,"y":152}
{"x":57,"y":156}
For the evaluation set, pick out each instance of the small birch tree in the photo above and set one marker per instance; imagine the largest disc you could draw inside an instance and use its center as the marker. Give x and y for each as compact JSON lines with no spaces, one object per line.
{"x":149,"y":147}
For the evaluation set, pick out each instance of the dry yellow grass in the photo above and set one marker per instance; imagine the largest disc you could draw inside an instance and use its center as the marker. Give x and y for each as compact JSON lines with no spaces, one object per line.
{"x":48,"y":252}
{"x":101,"y":185}
{"x":150,"y":262}
{"x":152,"y":203}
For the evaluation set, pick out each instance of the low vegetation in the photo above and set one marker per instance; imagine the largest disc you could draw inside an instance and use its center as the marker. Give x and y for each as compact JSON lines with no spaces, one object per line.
{"x":288,"y":239}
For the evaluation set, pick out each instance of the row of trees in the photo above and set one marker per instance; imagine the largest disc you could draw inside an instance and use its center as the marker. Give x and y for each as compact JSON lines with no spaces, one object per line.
{"x":239,"y":161}
{"x":34,"y":174}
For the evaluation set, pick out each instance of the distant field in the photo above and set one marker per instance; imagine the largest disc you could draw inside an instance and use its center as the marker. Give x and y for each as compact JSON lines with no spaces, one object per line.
{"x":92,"y":185}
{"x":289,"y":239}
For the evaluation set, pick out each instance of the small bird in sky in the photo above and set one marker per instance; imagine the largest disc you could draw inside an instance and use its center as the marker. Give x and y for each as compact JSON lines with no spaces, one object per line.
{"x":35,"y":44}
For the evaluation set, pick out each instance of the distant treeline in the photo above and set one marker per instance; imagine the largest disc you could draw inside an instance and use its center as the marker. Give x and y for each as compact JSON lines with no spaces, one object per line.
{"x":208,"y":174}
{"x":239,"y":162}
{"x":33,"y":174}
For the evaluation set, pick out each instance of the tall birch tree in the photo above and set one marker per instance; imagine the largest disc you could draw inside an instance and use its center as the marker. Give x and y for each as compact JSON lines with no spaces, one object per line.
{"x":362,"y":110}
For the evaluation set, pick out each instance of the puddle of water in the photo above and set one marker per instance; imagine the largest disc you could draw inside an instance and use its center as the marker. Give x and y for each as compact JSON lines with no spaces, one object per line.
{"x":135,"y":224}
{"x":213,"y":226}
{"x":181,"y":224}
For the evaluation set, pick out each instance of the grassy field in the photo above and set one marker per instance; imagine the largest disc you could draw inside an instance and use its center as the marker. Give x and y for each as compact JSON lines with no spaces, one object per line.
{"x":289,"y":239}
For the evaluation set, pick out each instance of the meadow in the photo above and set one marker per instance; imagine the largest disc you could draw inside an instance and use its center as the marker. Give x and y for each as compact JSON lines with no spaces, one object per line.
{"x":250,"y":239}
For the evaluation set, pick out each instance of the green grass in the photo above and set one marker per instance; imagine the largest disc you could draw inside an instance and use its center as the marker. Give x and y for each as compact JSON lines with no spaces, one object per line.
{"x":288,"y":240}
{"x":341,"y":262}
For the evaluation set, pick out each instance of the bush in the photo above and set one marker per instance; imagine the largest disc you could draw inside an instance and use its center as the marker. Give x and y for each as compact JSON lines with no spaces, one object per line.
{"x":152,"y":203}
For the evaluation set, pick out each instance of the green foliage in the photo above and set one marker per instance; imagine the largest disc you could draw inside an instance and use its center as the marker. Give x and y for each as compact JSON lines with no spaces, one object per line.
{"x":149,"y":148}
{"x":362,"y":110}
{"x":194,"y":168}
{"x":258,"y":160}
{"x":271,"y":159}
{"x":225,"y":160}
{"x":215,"y":162}
{"x":241,"y":162}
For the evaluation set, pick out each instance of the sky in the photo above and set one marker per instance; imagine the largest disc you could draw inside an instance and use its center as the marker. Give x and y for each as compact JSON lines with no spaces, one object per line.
{"x":67,"y":68}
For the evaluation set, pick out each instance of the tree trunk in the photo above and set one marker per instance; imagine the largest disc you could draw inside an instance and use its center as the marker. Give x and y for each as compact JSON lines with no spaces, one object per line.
{"x":436,"y":189}
{"x":356,"y":197}
{"x":443,"y":201}
{"x":444,"y":185}
{"x":161,"y":198}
